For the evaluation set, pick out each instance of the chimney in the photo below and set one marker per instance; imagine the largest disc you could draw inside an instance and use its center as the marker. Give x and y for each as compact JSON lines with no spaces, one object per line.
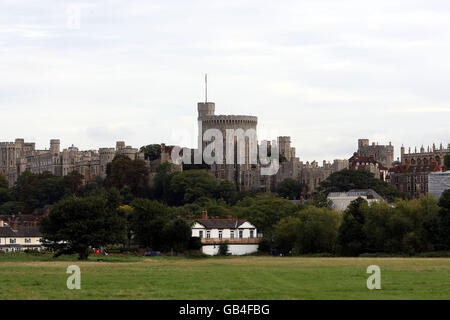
{"x":1,"y":223}
{"x":204,"y":214}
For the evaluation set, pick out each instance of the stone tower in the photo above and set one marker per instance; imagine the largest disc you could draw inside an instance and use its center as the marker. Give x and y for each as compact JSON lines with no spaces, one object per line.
{"x":243,"y":175}
{"x":55,"y":146}
{"x":205,"y":109}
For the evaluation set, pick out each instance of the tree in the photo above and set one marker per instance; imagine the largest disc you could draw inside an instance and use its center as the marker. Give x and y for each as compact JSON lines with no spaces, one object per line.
{"x":345,"y":180}
{"x":154,"y":227}
{"x":12,"y":207}
{"x":320,"y":200}
{"x":73,"y":183}
{"x":38,"y":190}
{"x":4,"y":184}
{"x":75,"y":224}
{"x":289,"y":188}
{"x":447,"y":161}
{"x":151,"y":151}
{"x":223,"y":249}
{"x":188,"y":186}
{"x":313,"y":230}
{"x":164,"y":173}
{"x":444,"y":217}
{"x":5,"y":195}
{"x":226,"y":190}
{"x":351,"y":238}
{"x":264,"y":211}
{"x":123,"y":171}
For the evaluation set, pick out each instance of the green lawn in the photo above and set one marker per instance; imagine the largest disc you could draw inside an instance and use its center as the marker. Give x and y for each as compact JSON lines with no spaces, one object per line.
{"x":24,"y":276}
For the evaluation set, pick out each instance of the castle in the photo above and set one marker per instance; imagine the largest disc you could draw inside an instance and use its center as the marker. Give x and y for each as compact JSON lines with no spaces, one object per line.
{"x":20,"y":156}
{"x":247,"y":176}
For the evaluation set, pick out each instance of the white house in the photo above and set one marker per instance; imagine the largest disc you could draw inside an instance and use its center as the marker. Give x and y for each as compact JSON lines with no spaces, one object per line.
{"x":341,"y":200}
{"x":240,"y":235}
{"x":21,"y":239}
{"x":438,"y":182}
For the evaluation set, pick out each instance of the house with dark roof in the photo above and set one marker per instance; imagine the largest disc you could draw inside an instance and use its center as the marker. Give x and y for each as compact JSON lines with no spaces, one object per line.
{"x":239,"y":234}
{"x":20,"y":239}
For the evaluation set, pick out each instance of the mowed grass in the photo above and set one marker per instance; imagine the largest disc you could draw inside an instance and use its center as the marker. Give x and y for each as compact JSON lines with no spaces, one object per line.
{"x":25,"y":276}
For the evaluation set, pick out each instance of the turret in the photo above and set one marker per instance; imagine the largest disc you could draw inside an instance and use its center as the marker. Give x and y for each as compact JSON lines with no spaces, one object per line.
{"x":55,"y":146}
{"x":205,"y":109}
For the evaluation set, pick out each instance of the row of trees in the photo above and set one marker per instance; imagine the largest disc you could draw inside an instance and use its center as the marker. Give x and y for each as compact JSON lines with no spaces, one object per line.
{"x":33,"y":191}
{"x":342,"y":181}
{"x":408,"y":226}
{"x":77,"y":223}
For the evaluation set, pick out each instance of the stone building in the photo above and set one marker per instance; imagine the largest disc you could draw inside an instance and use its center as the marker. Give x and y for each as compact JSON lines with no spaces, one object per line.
{"x":412,"y":179}
{"x":424,"y":157}
{"x":311,"y":174}
{"x":245,"y":176}
{"x":383,"y":154}
{"x":19,"y":156}
{"x":358,"y":162}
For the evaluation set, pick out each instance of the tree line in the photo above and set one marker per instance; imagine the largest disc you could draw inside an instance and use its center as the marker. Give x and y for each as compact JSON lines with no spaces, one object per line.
{"x":124,"y":208}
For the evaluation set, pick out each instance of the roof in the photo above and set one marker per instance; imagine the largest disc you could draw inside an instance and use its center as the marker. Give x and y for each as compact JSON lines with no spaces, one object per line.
{"x":369,"y":193}
{"x":28,"y":231}
{"x":7,"y":232}
{"x":221,"y":223}
{"x":406,"y":168}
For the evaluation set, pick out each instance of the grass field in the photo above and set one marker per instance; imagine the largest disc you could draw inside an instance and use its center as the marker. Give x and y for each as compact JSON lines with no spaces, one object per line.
{"x":24,"y":276}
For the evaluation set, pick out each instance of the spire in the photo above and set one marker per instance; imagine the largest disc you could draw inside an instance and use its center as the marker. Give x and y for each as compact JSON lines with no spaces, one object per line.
{"x":206,"y":87}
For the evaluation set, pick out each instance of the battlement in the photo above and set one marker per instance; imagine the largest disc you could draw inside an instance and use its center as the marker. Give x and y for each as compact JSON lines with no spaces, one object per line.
{"x":7,"y":144}
{"x":106,"y":150}
{"x":230,"y":119}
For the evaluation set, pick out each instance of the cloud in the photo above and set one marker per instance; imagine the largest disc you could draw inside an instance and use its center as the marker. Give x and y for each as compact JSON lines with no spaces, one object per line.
{"x":326,"y":72}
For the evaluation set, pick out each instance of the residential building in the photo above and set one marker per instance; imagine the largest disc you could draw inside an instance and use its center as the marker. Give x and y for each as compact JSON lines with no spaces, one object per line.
{"x":438,"y":182}
{"x":20,"y":239}
{"x":239,"y":234}
{"x":341,"y":200}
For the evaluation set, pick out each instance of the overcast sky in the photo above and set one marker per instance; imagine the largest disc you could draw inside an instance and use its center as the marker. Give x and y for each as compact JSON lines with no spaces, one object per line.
{"x":323,"y":72}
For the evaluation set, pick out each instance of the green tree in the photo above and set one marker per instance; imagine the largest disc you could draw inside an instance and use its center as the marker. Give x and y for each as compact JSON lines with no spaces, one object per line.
{"x":223,"y":249}
{"x":12,"y":207}
{"x":154,"y":227}
{"x":447,"y":161}
{"x":188,"y":186}
{"x":38,"y":190}
{"x":346,"y":180}
{"x":76,"y":224}
{"x":313,"y":230}
{"x":226,"y":190}
{"x":444,"y":217}
{"x":164,"y":173}
{"x":264,"y":211}
{"x":73,"y":183}
{"x":352,"y":238}
{"x":151,"y":151}
{"x":123,"y":171}
{"x":5,"y":195}
{"x":289,"y":188}
{"x":320,"y":200}
{"x":4,"y":184}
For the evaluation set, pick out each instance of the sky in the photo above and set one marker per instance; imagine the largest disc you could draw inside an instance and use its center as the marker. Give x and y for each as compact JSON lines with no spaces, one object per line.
{"x":324,"y":72}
